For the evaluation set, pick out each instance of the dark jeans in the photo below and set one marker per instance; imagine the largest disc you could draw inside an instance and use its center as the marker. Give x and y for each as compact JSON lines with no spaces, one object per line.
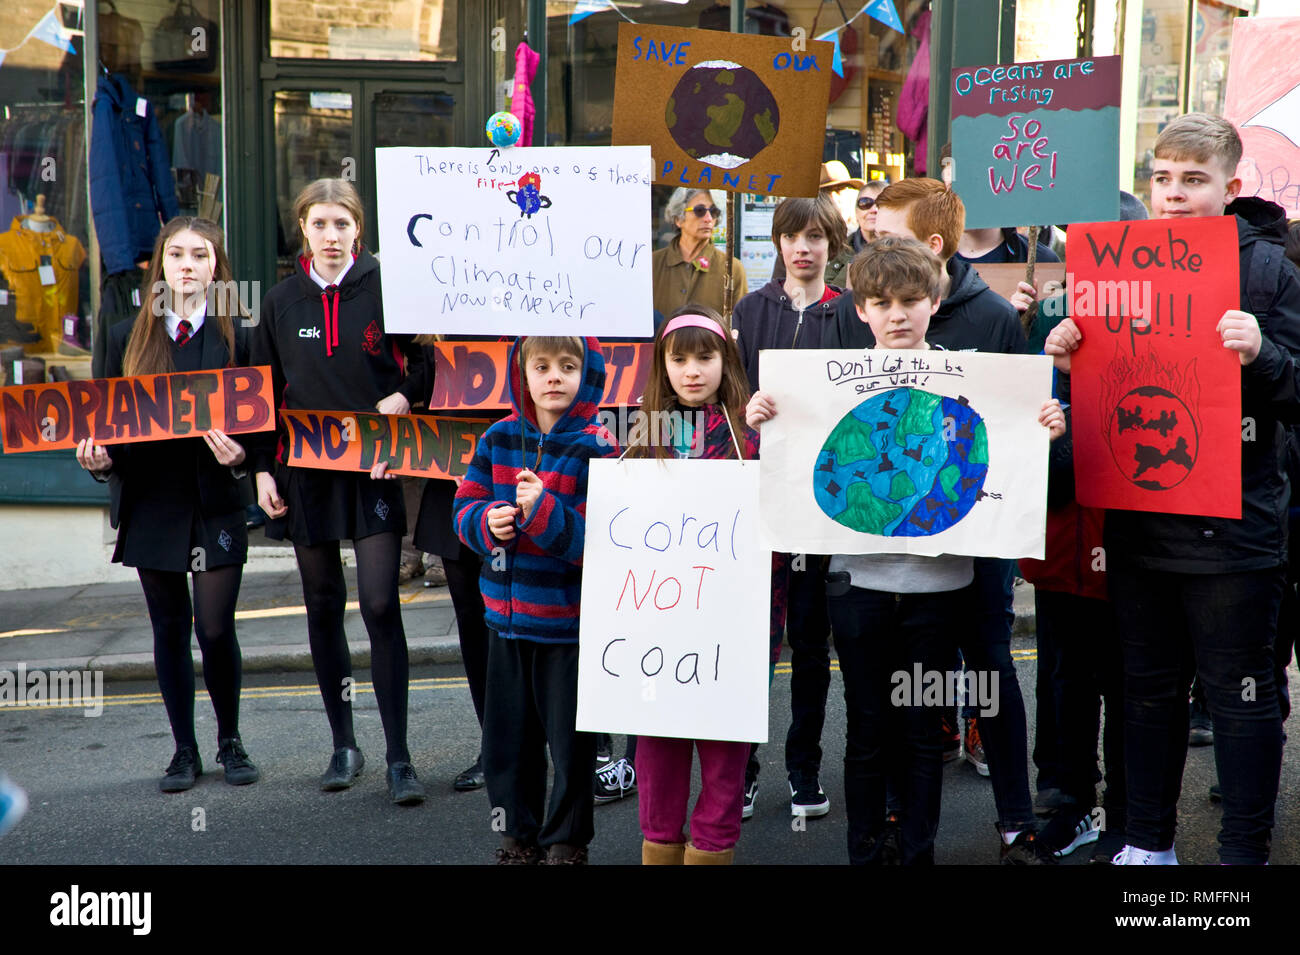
{"x":1229,"y":621}
{"x":877,"y":635}
{"x":1079,"y":660}
{"x":807,"y":630}
{"x":987,"y":647}
{"x":532,"y":703}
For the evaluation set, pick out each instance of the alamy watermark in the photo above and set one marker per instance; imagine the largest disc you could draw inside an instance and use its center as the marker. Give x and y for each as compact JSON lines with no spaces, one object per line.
{"x":64,"y":689}
{"x":682,"y":431}
{"x":917,"y":687}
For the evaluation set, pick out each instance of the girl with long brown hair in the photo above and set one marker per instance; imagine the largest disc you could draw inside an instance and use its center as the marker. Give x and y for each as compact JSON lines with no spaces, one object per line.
{"x":322,"y":333}
{"x":176,"y":503}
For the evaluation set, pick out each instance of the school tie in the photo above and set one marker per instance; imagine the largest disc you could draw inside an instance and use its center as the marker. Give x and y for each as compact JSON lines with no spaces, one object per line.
{"x":183,"y":332}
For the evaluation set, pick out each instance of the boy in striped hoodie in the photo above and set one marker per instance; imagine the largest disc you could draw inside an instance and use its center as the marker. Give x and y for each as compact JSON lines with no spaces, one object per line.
{"x":523,"y":505}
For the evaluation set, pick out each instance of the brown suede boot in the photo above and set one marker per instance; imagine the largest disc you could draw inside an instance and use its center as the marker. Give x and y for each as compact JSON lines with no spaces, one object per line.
{"x":659,"y":853}
{"x":694,"y":856}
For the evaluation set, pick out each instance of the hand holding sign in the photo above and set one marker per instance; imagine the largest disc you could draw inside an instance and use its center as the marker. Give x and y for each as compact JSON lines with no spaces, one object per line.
{"x":1240,"y":333}
{"x":93,"y":457}
{"x":528,"y":490}
{"x":1062,"y":341}
{"x":226,"y":450}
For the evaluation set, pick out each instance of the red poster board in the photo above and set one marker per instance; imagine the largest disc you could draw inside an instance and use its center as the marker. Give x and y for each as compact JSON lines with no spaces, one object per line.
{"x":428,"y":446}
{"x":146,"y":408}
{"x":1156,"y":398}
{"x":472,"y":375}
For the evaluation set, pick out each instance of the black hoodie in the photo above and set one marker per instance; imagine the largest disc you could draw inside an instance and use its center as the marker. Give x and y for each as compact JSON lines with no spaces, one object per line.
{"x":766,"y":318}
{"x":328,"y":350}
{"x":1270,"y":397}
{"x":972,"y":317}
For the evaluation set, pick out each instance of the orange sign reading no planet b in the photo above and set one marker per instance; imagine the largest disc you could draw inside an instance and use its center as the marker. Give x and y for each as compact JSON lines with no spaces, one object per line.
{"x":60,"y":414}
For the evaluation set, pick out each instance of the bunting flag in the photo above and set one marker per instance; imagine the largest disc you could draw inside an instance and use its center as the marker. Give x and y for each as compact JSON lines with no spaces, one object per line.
{"x":837,"y":62}
{"x":885,"y":12}
{"x":586,"y":8}
{"x":50,"y":30}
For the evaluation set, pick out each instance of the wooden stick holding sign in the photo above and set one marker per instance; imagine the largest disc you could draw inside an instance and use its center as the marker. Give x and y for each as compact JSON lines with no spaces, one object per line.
{"x":426,"y":446}
{"x":60,"y":414}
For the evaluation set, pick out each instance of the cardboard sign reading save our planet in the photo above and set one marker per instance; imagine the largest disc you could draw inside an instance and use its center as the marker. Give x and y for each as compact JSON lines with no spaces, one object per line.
{"x":724,"y":110}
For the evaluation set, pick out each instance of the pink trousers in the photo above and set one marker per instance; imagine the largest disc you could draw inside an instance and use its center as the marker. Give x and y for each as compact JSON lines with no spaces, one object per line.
{"x":663,"y":777}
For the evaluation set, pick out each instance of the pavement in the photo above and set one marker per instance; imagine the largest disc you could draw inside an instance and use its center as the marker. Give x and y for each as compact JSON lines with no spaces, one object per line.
{"x":105,"y":627}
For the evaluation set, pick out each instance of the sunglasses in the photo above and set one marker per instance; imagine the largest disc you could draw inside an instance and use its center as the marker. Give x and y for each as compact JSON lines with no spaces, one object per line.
{"x":700,"y":210}
{"x":866,"y":202}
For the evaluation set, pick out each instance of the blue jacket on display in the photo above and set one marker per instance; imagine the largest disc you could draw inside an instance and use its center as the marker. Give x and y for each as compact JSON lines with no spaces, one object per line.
{"x":131,"y":187}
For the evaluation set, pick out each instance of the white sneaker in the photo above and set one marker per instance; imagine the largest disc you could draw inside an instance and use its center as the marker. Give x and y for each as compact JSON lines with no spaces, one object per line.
{"x":1132,"y":855}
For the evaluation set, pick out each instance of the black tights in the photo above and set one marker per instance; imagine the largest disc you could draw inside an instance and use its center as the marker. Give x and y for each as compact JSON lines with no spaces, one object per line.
{"x":215,"y":592}
{"x":325,"y":593}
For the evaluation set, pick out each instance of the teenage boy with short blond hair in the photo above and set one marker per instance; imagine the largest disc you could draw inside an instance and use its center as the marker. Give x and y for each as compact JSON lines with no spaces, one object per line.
{"x":1208,"y":588}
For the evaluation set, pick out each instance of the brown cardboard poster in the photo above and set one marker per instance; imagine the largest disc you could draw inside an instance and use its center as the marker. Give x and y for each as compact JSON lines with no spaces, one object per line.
{"x":1004,"y":277}
{"x":724,"y":110}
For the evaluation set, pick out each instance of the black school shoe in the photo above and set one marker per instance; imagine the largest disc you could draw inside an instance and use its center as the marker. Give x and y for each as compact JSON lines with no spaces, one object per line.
{"x":183,"y":771}
{"x":240,"y":770}
{"x":404,"y":787}
{"x":1025,"y":850}
{"x":345,"y":766}
{"x":471,"y":779}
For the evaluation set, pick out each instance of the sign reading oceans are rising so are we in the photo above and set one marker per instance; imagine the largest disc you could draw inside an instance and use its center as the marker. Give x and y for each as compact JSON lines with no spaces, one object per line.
{"x":1036,"y":143}
{"x":724,"y":110}
{"x":522,"y":241}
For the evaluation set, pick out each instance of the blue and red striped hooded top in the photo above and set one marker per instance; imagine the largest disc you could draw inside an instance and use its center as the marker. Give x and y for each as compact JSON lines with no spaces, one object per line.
{"x":532,"y":586}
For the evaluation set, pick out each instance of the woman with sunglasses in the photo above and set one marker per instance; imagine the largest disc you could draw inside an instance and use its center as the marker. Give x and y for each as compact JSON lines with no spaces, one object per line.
{"x":691,"y":268}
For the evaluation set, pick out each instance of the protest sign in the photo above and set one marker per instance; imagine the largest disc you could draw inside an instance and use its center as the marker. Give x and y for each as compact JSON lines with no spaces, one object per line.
{"x":1037,"y":143}
{"x":919,"y":452}
{"x":529,"y":241}
{"x":1263,"y":102}
{"x":426,"y":446}
{"x":1153,"y":388}
{"x":144,"y":408}
{"x":1005,"y":277}
{"x":474,"y":375}
{"x":675,"y":609}
{"x":724,"y":110}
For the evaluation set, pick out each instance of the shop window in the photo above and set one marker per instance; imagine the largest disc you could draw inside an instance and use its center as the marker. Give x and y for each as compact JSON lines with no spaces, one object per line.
{"x":1046,"y":30}
{"x":1160,"y":82}
{"x":1211,"y":45}
{"x":45,"y":299}
{"x":422,"y":30}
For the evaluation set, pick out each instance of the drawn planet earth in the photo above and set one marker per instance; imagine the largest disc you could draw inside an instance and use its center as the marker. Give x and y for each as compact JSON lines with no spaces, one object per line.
{"x":722,"y":114}
{"x":905,"y":463}
{"x":1153,"y":438}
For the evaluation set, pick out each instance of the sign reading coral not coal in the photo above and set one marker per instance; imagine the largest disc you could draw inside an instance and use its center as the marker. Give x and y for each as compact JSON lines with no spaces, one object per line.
{"x":1036,"y":143}
{"x":673,"y":636}
{"x":145,"y":408}
{"x":426,"y":446}
{"x":529,"y":241}
{"x":918,"y":452}
{"x":724,"y":110}
{"x":1156,"y":396}
{"x":1263,"y":101}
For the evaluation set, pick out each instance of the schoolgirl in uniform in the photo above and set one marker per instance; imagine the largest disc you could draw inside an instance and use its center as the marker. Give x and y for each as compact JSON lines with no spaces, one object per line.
{"x":176,"y":503}
{"x":322,"y":333}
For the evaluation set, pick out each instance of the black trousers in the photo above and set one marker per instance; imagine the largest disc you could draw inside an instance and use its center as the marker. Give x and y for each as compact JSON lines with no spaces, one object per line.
{"x":1079,"y":664}
{"x":807,"y":630}
{"x":1229,"y":621}
{"x":532,"y":703}
{"x":467,"y":600}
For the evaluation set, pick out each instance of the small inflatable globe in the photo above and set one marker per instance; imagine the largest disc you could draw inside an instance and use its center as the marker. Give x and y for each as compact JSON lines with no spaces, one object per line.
{"x":905,"y":463}
{"x":1153,"y":438}
{"x":504,"y":129}
{"x":722,"y":114}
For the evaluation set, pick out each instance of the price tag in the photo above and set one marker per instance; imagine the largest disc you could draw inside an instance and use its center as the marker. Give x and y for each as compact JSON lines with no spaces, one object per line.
{"x":141,"y":104}
{"x":46,"y":272}
{"x":4,"y":296}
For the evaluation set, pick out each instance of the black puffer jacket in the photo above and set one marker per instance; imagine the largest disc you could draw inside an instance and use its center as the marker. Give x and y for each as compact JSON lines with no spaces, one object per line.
{"x":972,"y":317}
{"x":766,"y":318}
{"x":1270,"y":396}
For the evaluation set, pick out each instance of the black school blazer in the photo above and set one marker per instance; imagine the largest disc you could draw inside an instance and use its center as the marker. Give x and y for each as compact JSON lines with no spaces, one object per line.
{"x":139,"y":474}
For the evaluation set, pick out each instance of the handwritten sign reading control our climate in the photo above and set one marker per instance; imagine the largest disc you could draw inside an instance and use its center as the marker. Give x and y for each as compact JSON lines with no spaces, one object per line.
{"x":675,"y":615}
{"x":530,"y":241}
{"x":1037,"y":142}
